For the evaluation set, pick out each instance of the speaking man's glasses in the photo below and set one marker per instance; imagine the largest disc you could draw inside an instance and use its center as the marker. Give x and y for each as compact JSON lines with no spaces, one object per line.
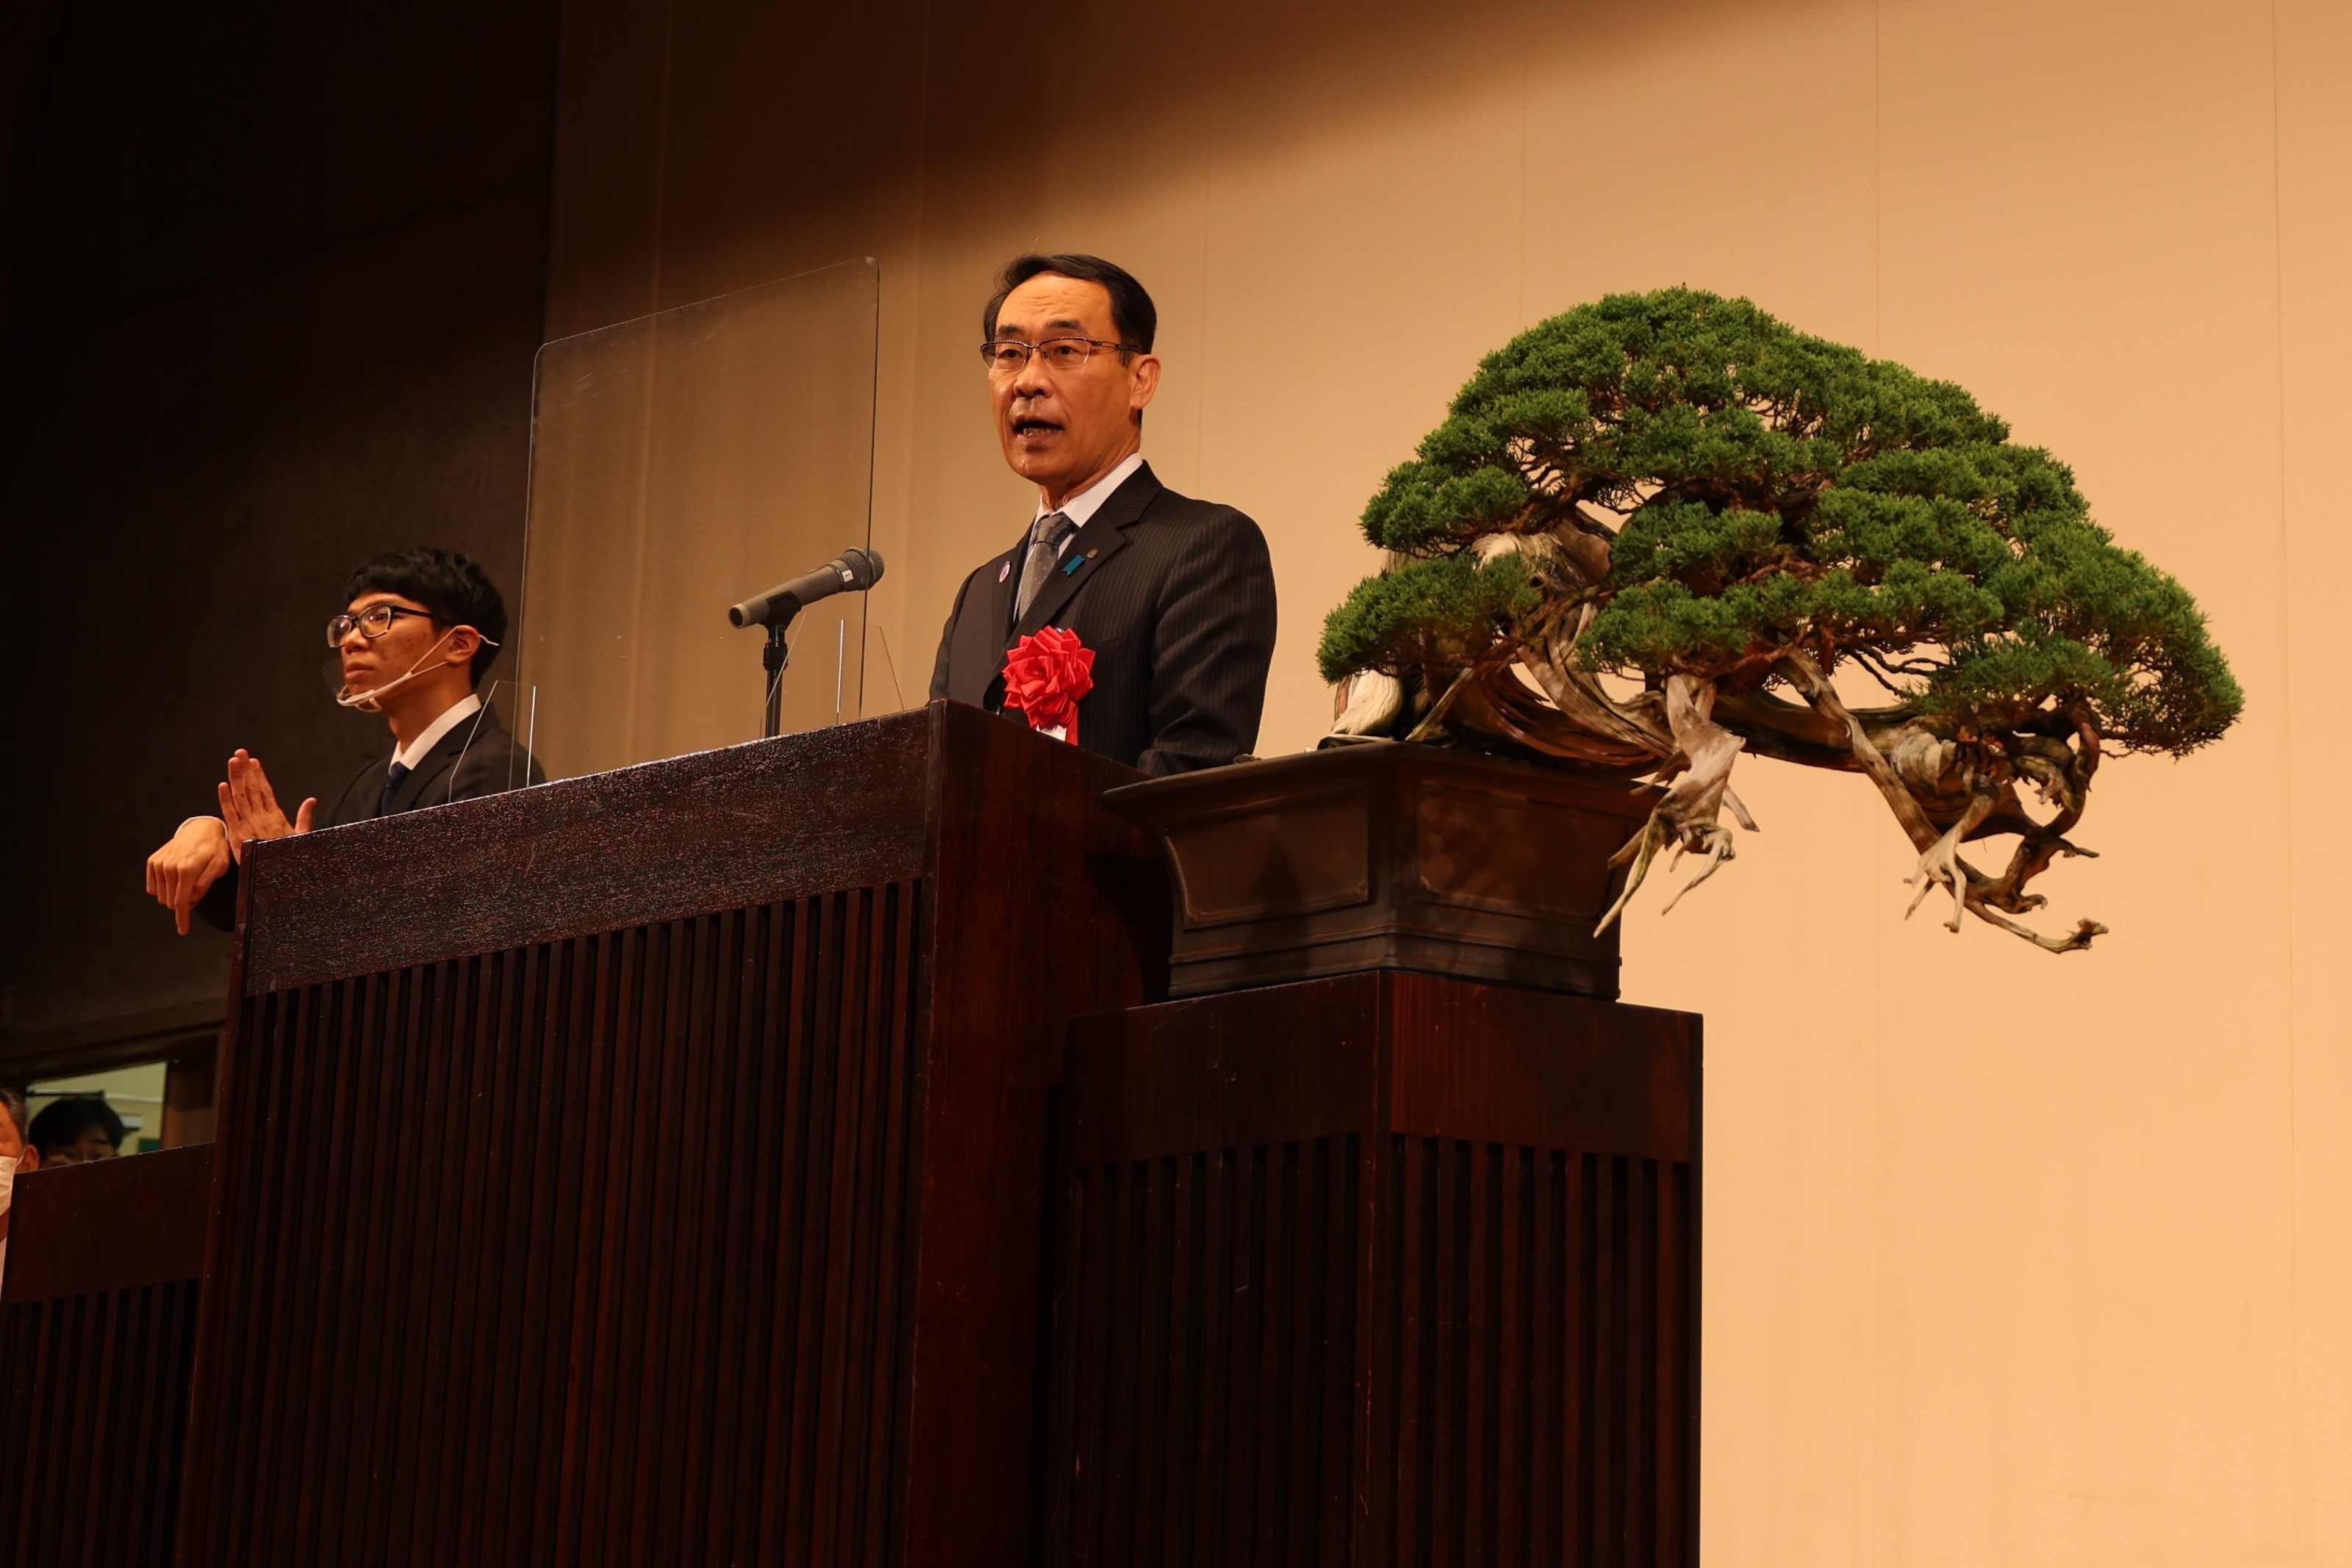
{"x":1005,"y":356}
{"x":372,"y":623}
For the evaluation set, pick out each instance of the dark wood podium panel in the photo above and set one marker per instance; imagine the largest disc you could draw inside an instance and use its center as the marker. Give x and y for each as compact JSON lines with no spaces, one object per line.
{"x":671,"y":1192}
{"x":97,"y":1332}
{"x":1380,"y":1269}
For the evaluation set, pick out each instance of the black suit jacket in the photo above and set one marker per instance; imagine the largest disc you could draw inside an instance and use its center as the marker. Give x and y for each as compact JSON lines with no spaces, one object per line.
{"x":1176,"y":598}
{"x":477,"y":757}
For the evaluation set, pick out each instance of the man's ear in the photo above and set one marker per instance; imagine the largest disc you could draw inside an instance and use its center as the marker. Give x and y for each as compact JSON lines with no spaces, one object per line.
{"x":1144,"y":381}
{"x":463,"y":645}
{"x":30,"y":1162}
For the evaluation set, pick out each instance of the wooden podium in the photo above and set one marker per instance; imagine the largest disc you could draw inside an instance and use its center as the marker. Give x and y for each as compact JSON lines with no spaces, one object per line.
{"x":666,"y":1166}
{"x":654,"y":1167}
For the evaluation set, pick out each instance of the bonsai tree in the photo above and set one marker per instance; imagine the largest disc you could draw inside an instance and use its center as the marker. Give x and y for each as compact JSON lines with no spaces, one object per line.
{"x":1655,"y":532}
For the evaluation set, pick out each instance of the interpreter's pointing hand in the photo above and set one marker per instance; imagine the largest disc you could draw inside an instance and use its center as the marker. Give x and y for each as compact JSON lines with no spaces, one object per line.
{"x":181,"y":873}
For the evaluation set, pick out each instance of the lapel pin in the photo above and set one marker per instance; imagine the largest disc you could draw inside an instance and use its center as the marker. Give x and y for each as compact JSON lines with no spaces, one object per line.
{"x":1004,"y":571}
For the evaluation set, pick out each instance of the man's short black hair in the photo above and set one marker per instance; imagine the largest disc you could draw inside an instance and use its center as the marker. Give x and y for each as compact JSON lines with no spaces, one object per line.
{"x":64,"y":1122}
{"x":450,"y":585}
{"x":12,"y":1100}
{"x":1132,"y":315}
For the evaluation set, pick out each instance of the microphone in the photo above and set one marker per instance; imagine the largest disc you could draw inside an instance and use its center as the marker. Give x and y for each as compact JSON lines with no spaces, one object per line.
{"x":853,"y":572}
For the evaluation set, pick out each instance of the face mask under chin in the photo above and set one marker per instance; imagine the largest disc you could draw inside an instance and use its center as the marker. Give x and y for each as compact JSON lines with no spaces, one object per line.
{"x":368,"y":701}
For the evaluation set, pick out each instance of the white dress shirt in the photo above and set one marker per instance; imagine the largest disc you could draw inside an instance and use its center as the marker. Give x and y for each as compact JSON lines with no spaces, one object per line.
{"x":1089,"y":501}
{"x":456,"y":713}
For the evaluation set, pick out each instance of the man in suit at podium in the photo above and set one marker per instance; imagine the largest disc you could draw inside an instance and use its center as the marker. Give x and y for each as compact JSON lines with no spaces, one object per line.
{"x":418,"y":629}
{"x":1173,"y":596}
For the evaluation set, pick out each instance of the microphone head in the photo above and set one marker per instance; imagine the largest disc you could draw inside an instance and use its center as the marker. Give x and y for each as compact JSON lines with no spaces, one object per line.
{"x":853,"y":572}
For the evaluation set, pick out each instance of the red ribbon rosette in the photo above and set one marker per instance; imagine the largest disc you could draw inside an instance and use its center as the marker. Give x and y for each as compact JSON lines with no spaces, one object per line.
{"x":1046,"y":675}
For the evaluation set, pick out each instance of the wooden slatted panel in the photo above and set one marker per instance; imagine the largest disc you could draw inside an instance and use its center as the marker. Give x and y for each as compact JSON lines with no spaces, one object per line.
{"x":94,"y":1388}
{"x":597,"y":1250}
{"x":1525,"y":1403}
{"x":1543,"y":1319}
{"x":1214,"y":1303}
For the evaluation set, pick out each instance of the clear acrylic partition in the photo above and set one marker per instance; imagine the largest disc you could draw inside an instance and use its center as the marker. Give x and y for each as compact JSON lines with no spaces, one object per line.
{"x":679,"y":464}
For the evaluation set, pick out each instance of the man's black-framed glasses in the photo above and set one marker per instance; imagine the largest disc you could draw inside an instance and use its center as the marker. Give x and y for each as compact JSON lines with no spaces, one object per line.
{"x":372,"y":623}
{"x":1006,"y":356}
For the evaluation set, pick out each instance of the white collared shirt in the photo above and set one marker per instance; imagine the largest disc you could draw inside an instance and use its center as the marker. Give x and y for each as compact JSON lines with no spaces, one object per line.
{"x":1089,"y":501}
{"x":456,"y":713}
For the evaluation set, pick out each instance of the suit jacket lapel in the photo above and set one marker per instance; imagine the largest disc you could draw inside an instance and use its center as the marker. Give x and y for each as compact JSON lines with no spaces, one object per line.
{"x":1104,"y":536}
{"x":1005,"y":586}
{"x":429,"y":782}
{"x":359,"y":799}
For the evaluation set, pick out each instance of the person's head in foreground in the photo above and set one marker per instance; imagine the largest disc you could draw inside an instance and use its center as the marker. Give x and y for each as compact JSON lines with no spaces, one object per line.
{"x":76,"y":1131}
{"x":1070,"y":367}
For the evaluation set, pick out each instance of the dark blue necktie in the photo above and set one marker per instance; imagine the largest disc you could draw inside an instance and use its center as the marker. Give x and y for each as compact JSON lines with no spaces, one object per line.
{"x":391,"y":787}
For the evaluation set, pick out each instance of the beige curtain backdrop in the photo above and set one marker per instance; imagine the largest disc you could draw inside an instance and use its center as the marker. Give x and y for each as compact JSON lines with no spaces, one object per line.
{"x":2010,"y":1259}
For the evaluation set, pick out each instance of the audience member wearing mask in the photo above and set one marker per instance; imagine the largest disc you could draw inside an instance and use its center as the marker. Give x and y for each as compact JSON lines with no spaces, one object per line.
{"x":76,"y":1131}
{"x":16,"y":1155}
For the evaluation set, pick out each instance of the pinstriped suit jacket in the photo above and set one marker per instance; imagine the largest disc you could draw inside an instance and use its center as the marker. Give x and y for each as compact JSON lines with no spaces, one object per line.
{"x":1175,"y":597}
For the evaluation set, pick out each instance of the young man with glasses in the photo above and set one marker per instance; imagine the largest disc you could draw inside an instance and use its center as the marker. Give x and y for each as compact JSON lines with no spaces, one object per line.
{"x":1174,"y":597}
{"x":419,"y":630}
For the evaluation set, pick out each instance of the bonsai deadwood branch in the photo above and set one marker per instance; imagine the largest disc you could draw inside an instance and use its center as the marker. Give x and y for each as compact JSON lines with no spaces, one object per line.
{"x":1940,"y":864}
{"x":1435,"y":716}
{"x":1437,"y":710}
{"x":1797,"y":669}
{"x":1686,"y":815}
{"x":1580,"y":697}
{"x":1939,"y":860}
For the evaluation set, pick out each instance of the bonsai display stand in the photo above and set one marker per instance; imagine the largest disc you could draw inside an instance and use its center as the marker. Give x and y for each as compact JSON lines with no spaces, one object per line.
{"x":1379,"y":1269}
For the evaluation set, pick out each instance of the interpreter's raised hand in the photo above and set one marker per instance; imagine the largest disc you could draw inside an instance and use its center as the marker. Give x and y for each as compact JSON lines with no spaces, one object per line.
{"x":249,"y":806}
{"x":181,"y":873}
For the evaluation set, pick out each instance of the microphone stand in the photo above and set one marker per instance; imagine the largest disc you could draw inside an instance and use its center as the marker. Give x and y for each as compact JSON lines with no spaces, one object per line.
{"x":772,"y":659}
{"x":856,"y":570}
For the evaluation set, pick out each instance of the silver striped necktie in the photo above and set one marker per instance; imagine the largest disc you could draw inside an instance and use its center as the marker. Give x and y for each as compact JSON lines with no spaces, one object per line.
{"x":1046,"y":537}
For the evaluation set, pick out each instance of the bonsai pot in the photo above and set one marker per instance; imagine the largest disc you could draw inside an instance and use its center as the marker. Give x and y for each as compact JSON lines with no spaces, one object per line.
{"x":1389,"y":856}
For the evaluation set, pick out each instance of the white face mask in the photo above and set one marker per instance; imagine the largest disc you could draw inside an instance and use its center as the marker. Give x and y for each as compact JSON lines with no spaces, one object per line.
{"x":8,"y":1180}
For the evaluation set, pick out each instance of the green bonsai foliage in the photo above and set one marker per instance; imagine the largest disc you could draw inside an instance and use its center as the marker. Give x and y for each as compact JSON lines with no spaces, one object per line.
{"x":1677,"y":490}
